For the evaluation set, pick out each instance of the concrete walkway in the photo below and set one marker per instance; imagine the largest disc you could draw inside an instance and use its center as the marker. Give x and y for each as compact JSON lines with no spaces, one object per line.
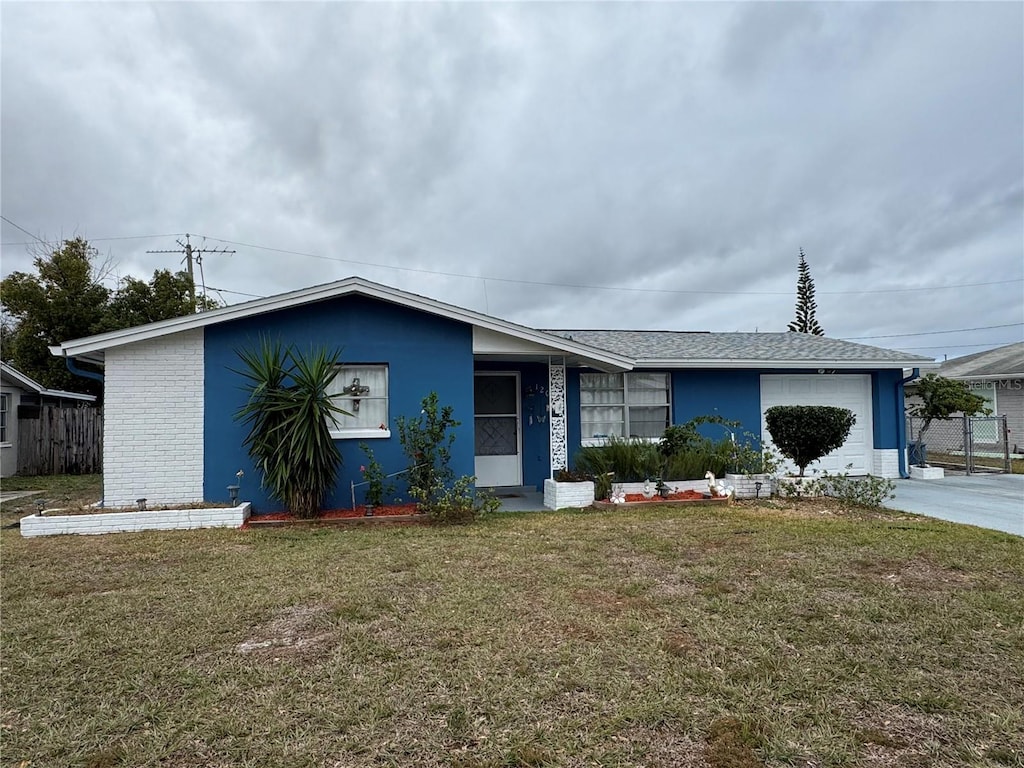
{"x":987,"y":501}
{"x":12,"y":495}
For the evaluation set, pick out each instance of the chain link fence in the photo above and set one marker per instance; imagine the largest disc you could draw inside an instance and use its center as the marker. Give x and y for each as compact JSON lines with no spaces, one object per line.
{"x":967,"y":443}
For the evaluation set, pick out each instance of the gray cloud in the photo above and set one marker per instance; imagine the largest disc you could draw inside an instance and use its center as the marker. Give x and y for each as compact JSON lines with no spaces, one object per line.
{"x":689,"y":147}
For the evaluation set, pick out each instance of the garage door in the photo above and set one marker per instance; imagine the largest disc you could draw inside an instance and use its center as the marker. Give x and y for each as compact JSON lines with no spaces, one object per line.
{"x":851,"y":391}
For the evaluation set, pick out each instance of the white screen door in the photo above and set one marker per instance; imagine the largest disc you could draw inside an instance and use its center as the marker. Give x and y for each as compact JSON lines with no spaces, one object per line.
{"x":498,"y":450}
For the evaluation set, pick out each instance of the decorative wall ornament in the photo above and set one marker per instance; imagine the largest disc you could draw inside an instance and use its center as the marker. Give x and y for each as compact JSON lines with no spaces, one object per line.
{"x":356,"y":390}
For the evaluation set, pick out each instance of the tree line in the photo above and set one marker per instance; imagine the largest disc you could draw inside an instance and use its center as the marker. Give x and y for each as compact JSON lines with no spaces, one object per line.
{"x":65,"y":299}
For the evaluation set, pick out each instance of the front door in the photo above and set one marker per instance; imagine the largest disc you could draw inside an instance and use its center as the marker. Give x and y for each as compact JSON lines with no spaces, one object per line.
{"x":496,"y":426}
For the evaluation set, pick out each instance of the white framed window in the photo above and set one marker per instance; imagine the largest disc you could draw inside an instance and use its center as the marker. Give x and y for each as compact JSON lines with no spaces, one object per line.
{"x":5,"y":408}
{"x":362,"y":390}
{"x":634,"y":404}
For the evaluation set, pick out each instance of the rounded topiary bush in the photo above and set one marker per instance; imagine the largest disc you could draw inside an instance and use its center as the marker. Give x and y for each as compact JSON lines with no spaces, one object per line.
{"x":805,"y":433}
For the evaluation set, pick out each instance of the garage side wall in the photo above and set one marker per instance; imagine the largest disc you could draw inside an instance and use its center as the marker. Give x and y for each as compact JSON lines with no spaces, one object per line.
{"x":153,"y":421}
{"x":888,"y":422}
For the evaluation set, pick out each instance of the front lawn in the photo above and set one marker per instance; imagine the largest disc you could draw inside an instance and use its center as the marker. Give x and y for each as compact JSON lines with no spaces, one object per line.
{"x":639,"y":637}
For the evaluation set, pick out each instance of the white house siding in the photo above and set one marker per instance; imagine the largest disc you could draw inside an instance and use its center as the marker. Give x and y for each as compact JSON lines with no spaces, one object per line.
{"x":9,"y":448}
{"x":153,"y":421}
{"x":1010,"y":403}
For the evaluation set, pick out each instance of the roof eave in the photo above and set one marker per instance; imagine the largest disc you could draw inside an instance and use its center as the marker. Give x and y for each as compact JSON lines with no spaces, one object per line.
{"x":91,"y":348}
{"x":783,"y":364}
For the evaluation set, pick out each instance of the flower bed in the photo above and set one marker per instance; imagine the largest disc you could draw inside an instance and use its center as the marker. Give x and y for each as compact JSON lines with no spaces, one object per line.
{"x":398,"y":513}
{"x":689,"y":497}
{"x":51,"y":523}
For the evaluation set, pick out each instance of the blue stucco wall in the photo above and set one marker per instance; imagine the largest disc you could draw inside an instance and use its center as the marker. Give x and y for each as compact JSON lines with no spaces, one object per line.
{"x":732,"y":395}
{"x":887,"y":409}
{"x":425,"y":353}
{"x":735,"y":395}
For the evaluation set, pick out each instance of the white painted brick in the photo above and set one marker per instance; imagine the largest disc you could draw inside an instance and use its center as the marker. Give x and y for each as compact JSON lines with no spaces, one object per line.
{"x":564,"y":495}
{"x":131,"y":522}
{"x":153,"y":421}
{"x":885,"y":462}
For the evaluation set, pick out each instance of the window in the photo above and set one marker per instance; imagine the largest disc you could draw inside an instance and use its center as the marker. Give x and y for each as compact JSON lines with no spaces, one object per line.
{"x":5,"y":406}
{"x":623,"y":405}
{"x":362,"y":390}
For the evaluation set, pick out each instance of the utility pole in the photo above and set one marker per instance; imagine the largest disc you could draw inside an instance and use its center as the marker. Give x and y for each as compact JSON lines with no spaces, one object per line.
{"x":193,"y":255}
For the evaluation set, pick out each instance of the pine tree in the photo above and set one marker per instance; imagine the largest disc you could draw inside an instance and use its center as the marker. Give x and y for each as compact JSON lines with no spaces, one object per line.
{"x":805,"y":321}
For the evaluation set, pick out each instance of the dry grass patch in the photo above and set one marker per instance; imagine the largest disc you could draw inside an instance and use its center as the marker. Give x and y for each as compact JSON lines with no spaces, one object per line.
{"x":560,"y":639}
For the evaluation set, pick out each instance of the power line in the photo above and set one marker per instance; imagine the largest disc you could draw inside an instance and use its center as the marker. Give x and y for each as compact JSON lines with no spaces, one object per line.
{"x":99,"y":239}
{"x":584,"y":286}
{"x":239,"y":293}
{"x":993,"y":345}
{"x":22,"y":229}
{"x":932,"y":333}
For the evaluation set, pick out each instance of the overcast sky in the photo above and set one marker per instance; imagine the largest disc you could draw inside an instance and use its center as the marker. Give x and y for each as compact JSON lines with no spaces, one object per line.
{"x":647,"y":166}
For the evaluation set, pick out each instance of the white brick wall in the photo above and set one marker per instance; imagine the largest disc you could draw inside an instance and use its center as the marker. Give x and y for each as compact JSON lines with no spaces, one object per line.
{"x":153,"y":421}
{"x":885,"y":462}
{"x":131,"y":522}
{"x":563,"y":495}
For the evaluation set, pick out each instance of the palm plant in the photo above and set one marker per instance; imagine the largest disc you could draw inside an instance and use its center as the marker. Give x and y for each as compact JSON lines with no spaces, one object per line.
{"x":289,"y":412}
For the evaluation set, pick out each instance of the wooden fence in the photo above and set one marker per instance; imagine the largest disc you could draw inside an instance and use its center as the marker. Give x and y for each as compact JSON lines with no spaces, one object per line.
{"x":61,"y":441}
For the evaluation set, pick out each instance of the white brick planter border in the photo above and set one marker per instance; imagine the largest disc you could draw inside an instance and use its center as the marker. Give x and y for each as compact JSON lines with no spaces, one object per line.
{"x":746,"y":486}
{"x":131,"y":522}
{"x":927,"y":473}
{"x":675,"y":485}
{"x":565,"y":495}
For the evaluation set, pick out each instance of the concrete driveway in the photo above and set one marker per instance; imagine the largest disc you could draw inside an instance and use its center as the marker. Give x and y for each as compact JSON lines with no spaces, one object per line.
{"x":987,"y":501}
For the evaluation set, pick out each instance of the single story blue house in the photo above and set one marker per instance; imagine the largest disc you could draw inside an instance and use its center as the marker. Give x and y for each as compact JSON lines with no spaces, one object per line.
{"x":527,"y":399}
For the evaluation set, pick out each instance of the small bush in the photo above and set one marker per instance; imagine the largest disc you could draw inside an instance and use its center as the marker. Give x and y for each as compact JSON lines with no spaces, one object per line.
{"x":633,"y":460}
{"x":461,"y":503}
{"x":868,"y":491}
{"x":805,"y":433}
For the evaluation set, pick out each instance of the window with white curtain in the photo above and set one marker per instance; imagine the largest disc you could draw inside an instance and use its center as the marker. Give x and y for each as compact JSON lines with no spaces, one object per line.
{"x":634,"y":404}
{"x":362,"y":390}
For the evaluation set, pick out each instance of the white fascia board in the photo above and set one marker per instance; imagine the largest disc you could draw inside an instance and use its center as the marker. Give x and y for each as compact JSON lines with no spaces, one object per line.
{"x":68,"y":395}
{"x":25,"y":382}
{"x":87,"y":348}
{"x":784,"y":364}
{"x":522,"y":341}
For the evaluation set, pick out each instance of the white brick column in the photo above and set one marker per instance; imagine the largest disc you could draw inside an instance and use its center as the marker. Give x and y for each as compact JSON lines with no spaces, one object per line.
{"x":153,"y":421}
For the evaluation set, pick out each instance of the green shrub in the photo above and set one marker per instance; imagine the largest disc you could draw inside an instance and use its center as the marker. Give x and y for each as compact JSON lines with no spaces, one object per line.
{"x":427,"y":441}
{"x":805,"y":433}
{"x":378,"y":485}
{"x":693,"y":465}
{"x":461,"y":503}
{"x":867,"y":491}
{"x":633,"y":460}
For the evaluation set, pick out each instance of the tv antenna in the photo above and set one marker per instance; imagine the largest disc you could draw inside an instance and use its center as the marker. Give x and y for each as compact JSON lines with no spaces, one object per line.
{"x":195,"y":255}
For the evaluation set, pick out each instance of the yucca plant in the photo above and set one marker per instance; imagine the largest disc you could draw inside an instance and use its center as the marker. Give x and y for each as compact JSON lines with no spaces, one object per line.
{"x":289,"y":413}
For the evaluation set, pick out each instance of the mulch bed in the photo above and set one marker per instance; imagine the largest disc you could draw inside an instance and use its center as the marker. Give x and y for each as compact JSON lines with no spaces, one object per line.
{"x":681,"y":498}
{"x":398,"y":513}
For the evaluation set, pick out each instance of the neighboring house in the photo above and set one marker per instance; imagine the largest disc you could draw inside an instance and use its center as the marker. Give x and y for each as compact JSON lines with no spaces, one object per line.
{"x":19,"y":393}
{"x":998,"y":376}
{"x":527,"y":399}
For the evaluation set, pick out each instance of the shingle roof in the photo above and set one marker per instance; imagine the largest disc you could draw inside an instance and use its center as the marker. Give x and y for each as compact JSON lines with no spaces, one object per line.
{"x":1001,"y":362}
{"x":789,"y":347}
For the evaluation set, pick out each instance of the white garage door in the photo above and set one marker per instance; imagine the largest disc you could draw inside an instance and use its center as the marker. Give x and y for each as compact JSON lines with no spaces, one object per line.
{"x":851,"y":391}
